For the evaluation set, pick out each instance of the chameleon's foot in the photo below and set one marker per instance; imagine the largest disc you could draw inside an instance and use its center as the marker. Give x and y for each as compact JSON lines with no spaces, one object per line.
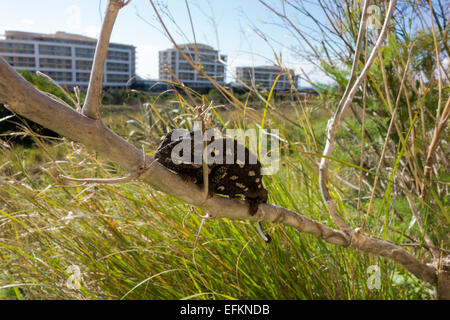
{"x":253,"y":206}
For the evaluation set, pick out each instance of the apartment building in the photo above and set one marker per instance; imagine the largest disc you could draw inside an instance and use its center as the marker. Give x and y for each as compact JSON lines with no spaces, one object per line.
{"x":173,"y":66}
{"x":263,"y":77}
{"x":67,"y":58}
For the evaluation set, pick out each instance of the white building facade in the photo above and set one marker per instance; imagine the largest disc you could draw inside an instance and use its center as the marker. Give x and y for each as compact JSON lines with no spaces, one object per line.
{"x":67,"y":58}
{"x":263,"y":77}
{"x":173,"y":66}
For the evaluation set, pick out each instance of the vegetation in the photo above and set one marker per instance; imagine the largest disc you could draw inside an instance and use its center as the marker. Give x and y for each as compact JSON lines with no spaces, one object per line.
{"x":124,"y":235}
{"x":130,"y":241}
{"x":13,"y":129}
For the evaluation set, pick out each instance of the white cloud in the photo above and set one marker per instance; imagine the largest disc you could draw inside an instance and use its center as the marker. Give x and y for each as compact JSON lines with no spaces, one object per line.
{"x":3,"y":28}
{"x":250,"y":61}
{"x":312,"y":72}
{"x":27,"y":21}
{"x":92,"y":31}
{"x":147,"y":60}
{"x":73,"y":16}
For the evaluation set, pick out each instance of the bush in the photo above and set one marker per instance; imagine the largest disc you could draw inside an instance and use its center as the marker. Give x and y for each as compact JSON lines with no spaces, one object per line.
{"x":12,"y":126}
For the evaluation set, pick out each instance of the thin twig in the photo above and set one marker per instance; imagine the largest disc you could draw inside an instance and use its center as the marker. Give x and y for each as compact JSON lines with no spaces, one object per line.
{"x":91,"y":107}
{"x":334,"y":123}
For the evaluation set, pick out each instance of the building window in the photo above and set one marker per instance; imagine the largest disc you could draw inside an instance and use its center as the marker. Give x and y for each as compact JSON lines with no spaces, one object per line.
{"x":117,"y":78}
{"x":84,"y":64}
{"x":117,"y":55}
{"x":59,"y":76}
{"x":24,"y":62}
{"x":84,"y":52}
{"x":83,"y":76}
{"x":55,"y":63}
{"x":121,"y":67}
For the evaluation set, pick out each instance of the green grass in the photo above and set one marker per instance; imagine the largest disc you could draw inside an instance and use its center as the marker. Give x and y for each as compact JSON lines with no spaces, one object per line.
{"x":132,"y":242}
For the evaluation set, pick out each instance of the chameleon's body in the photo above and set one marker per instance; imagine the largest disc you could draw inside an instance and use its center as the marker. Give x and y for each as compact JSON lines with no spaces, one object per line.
{"x":236,"y":179}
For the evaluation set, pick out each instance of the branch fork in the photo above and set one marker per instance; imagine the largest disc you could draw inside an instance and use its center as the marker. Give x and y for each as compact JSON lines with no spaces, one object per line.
{"x":91,"y":108}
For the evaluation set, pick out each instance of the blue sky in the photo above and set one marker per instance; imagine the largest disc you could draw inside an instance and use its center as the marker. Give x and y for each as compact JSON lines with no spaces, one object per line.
{"x":226,"y":25}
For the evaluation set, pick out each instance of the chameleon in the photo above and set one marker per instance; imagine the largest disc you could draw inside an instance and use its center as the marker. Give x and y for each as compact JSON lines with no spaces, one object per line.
{"x":237,"y":178}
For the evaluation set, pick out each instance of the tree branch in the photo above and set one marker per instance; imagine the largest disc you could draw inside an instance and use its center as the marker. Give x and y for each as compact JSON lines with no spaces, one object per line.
{"x":24,"y":99}
{"x":335,"y":122}
{"x":91,"y":107}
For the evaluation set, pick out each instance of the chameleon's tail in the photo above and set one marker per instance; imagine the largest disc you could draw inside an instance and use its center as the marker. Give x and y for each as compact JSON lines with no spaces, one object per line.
{"x":263,"y":235}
